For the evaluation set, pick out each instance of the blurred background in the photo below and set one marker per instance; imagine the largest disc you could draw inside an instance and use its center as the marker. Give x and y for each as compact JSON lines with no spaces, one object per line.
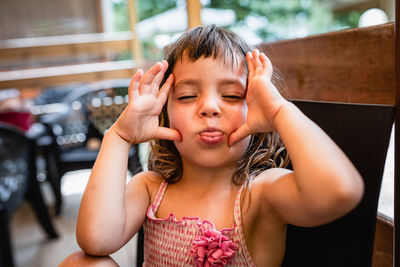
{"x":64,"y":72}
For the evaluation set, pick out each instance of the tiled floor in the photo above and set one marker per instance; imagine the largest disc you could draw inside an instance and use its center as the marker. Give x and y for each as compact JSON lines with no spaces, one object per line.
{"x":32,"y":249}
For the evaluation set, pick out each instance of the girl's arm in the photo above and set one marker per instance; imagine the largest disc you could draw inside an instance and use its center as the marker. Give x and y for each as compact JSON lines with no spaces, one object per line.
{"x":111,"y":212}
{"x":324,"y":184}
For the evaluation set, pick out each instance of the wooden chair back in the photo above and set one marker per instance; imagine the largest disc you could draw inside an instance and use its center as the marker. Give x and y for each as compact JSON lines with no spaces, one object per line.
{"x":363,"y":133}
{"x":356,"y":67}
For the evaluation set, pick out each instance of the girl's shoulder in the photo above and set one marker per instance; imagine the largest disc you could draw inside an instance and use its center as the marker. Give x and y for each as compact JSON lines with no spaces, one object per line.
{"x":270,"y":176}
{"x":150,"y":180}
{"x":149,"y":177}
{"x":262,"y":188}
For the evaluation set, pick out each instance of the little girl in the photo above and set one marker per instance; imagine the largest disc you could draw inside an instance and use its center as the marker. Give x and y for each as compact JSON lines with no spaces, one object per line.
{"x":217,"y":193}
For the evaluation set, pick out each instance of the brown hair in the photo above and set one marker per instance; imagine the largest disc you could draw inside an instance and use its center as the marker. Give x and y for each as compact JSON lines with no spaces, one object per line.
{"x":265,"y":150}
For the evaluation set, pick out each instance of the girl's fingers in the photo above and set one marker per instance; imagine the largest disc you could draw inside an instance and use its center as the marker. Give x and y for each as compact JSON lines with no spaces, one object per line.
{"x":250,"y":64}
{"x":266,"y":64}
{"x":168,"y":134}
{"x":239,"y":134}
{"x":148,"y":77}
{"x":256,"y":58}
{"x":165,"y":89}
{"x":158,"y":78}
{"x":155,"y":84}
{"x":133,"y":91}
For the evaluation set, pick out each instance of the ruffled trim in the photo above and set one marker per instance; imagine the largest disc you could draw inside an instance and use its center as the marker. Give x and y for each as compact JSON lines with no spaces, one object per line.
{"x":183,"y":221}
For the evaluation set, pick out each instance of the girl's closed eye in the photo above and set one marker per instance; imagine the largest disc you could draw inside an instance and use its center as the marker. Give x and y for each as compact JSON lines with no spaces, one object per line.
{"x":186,"y":97}
{"x":232,"y":91}
{"x":232,"y":97}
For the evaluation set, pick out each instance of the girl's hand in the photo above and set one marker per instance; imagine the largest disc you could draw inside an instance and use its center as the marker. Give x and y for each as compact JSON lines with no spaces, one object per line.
{"x":262,"y":98}
{"x":139,"y":121}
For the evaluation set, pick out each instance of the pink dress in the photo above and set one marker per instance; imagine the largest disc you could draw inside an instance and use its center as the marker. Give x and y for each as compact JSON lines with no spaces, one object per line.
{"x":192,"y":241}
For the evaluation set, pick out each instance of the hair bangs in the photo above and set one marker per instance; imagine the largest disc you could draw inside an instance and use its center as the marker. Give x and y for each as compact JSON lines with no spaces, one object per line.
{"x":209,"y":41}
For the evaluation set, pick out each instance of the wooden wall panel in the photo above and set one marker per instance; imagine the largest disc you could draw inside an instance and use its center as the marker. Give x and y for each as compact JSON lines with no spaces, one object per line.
{"x":43,"y":77}
{"x":34,"y":18}
{"x":65,"y":45}
{"x":355,"y":65}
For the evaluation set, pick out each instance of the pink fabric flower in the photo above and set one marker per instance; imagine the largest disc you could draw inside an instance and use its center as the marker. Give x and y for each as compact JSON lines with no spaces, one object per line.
{"x":212,"y":249}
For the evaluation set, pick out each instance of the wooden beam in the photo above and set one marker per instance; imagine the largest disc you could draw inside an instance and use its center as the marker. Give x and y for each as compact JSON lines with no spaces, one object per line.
{"x":136,"y":47}
{"x":383,"y":245}
{"x":397,"y":141}
{"x":100,"y":19}
{"x":65,"y":45}
{"x":42,"y":77}
{"x":355,"y":65}
{"x":193,"y":13}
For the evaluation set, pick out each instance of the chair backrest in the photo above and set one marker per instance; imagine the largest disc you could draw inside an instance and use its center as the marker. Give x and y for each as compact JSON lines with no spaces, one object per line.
{"x":358,"y":65}
{"x":55,"y":94}
{"x":362,"y":132}
{"x":90,"y":110}
{"x":15,"y":159}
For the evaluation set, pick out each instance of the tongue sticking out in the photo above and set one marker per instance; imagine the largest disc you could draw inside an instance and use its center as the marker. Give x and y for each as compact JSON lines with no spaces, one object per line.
{"x":212,"y":137}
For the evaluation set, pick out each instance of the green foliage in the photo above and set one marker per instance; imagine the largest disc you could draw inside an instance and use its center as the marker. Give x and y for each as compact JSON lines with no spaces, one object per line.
{"x":145,"y":9}
{"x":150,"y":8}
{"x":121,"y":19}
{"x":286,"y":19}
{"x":269,"y":19}
{"x":348,"y":20}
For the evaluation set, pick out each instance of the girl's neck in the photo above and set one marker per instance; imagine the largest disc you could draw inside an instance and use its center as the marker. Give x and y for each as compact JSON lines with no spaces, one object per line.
{"x":201,"y":177}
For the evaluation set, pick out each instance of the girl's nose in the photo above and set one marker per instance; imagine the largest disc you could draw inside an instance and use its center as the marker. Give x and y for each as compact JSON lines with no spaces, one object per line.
{"x":210,"y":107}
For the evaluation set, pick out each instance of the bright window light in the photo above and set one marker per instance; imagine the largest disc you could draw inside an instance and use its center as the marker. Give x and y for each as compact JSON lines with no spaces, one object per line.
{"x":373,"y":16}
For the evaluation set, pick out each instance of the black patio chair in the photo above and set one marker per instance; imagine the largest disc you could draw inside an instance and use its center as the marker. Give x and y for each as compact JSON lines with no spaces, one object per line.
{"x":76,"y":133}
{"x":54,"y":95}
{"x":18,"y":180}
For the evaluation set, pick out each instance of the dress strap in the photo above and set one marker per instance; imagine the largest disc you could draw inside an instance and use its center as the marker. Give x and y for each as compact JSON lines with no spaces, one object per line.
{"x":238,"y":221}
{"x":159,"y":196}
{"x":237,"y":211}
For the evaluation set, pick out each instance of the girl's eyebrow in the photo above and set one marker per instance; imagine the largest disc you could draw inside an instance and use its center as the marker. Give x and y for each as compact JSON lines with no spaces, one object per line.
{"x":186,"y":82}
{"x":196,"y":82}
{"x":232,"y":82}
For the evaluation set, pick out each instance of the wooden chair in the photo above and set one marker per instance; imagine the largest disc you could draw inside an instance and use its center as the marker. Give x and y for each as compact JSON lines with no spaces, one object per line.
{"x":363,"y":133}
{"x":351,"y":66}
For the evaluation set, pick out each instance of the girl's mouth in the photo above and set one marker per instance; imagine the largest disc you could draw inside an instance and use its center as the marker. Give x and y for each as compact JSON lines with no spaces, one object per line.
{"x":211,"y":137}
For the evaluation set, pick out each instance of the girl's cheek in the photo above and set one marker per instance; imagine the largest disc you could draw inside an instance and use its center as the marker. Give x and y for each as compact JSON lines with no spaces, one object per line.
{"x":244,"y":111}
{"x":242,"y":114}
{"x":175,"y":121}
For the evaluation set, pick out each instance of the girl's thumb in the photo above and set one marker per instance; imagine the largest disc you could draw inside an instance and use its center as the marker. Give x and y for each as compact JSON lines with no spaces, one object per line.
{"x":168,"y":134}
{"x":239,"y":134}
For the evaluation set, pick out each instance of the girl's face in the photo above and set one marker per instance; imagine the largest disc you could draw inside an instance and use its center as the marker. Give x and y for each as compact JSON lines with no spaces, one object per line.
{"x":206,"y":105}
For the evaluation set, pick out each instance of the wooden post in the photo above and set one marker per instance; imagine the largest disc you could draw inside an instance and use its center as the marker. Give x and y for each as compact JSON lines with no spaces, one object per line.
{"x":193,"y":13}
{"x":396,"y":246}
{"x":100,"y":19}
{"x":136,"y":47}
